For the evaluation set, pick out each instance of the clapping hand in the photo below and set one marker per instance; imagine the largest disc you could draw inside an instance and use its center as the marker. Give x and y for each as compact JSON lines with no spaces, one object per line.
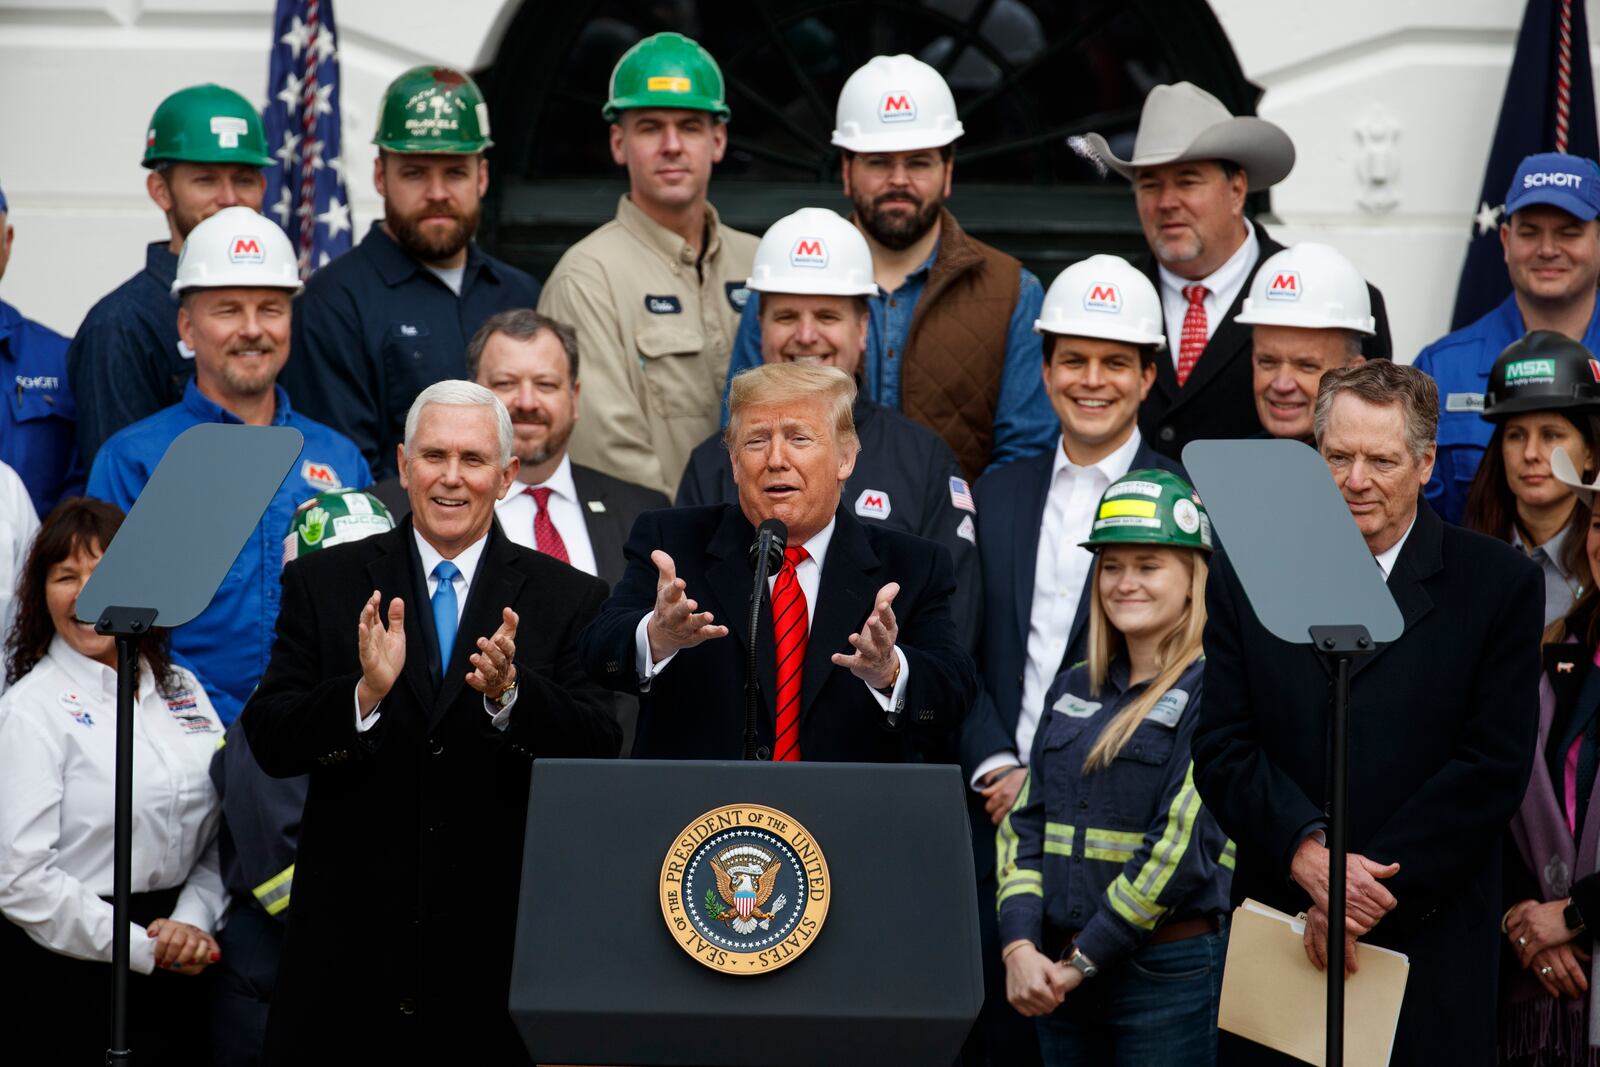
{"x":676,"y":624}
{"x":383,"y":651}
{"x":493,"y":669}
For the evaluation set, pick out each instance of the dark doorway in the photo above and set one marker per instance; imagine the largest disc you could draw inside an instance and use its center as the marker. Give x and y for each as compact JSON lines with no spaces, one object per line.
{"x":1026,"y":75}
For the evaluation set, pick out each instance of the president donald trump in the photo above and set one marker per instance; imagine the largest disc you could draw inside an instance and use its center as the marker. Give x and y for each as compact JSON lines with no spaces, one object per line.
{"x":856,"y":650}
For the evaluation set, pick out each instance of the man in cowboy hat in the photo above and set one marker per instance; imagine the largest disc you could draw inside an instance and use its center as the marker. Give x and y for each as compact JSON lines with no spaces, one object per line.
{"x":1192,"y":165}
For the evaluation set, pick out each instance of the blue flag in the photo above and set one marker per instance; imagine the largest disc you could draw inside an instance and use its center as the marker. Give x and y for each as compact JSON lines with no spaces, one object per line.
{"x":306,"y":189}
{"x":1548,"y":107}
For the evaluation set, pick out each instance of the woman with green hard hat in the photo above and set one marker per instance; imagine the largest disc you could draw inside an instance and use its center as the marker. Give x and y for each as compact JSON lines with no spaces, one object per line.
{"x":1543,"y":394}
{"x":1113,"y":878}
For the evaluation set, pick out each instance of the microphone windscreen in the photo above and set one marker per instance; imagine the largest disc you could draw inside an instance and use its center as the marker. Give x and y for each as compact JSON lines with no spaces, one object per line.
{"x":779,"y":532}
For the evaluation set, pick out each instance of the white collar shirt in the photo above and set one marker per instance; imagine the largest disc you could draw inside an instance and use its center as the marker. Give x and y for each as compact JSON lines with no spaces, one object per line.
{"x":58,"y":742}
{"x":1060,"y":569}
{"x":1386,"y":558}
{"x":518,"y":511}
{"x":466,"y":562}
{"x":1223,"y":285}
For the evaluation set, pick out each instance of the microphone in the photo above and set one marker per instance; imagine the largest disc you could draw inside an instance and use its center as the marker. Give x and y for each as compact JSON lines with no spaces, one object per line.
{"x":766,"y":556}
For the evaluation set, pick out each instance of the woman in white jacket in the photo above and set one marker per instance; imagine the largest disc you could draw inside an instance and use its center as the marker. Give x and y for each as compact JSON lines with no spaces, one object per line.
{"x":57,"y":776}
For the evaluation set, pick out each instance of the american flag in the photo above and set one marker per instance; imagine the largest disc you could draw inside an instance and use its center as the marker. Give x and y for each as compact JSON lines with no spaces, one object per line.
{"x":961,"y":495}
{"x":306,"y":189}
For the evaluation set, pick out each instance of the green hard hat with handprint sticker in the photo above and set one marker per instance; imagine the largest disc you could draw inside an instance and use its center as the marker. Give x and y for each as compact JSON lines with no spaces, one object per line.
{"x":335,"y":518}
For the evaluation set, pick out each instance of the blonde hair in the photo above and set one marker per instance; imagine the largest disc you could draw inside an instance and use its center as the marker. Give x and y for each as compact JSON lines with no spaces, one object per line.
{"x":788,"y":383}
{"x":1177,"y":650}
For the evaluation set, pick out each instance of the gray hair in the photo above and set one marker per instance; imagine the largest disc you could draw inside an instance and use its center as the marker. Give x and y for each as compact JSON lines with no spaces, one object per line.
{"x":1384,"y":383}
{"x":467,"y":394}
{"x":522,"y":324}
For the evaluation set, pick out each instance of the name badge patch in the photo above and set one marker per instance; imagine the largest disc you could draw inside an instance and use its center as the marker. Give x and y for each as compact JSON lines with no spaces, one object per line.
{"x":738,"y":295}
{"x":1076,"y":708}
{"x":1169,"y":709}
{"x":1464,"y":402}
{"x":663,"y":305}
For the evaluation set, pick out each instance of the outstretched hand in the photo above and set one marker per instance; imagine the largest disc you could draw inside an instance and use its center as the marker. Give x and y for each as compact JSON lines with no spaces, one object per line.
{"x":874,"y":661}
{"x":676,"y":623}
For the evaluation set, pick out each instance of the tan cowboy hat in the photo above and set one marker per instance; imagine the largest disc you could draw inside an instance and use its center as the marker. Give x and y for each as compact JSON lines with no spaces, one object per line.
{"x":1566,"y":471}
{"x":1183,"y":122}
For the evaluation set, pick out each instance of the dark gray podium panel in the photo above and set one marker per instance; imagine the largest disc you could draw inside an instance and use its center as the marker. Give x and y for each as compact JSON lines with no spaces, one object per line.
{"x":894,"y":976}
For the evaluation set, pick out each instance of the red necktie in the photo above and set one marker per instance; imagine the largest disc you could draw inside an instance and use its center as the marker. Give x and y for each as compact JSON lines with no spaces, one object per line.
{"x":545,"y":536}
{"x":1193,"y":340}
{"x":791,"y":628}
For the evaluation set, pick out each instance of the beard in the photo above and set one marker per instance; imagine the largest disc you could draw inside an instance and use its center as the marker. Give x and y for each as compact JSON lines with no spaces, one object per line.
{"x":431,"y":247}
{"x":249,"y":383}
{"x":554,"y":443}
{"x":895,"y":230}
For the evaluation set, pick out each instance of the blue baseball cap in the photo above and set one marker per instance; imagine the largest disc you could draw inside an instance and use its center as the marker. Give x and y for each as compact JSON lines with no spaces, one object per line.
{"x":1570,"y":183}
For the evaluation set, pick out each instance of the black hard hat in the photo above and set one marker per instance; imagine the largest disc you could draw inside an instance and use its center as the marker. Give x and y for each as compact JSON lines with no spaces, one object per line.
{"x":1544,"y":371}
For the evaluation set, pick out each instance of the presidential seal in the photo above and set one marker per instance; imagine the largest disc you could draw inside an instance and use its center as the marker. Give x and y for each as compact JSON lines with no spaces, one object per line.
{"x":744,"y":889}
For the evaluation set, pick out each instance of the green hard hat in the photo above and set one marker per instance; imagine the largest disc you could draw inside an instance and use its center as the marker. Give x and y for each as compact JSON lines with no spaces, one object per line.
{"x":1151,"y":507}
{"x":667,"y":70}
{"x":334,"y":518}
{"x":433,"y":109}
{"x":206,"y":124}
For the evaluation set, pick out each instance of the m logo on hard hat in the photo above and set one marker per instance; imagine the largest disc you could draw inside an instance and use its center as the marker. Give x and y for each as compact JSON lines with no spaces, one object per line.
{"x":245,"y":249}
{"x":897,"y":106}
{"x":808,"y":252}
{"x":1285,"y":286}
{"x":1102,"y":297}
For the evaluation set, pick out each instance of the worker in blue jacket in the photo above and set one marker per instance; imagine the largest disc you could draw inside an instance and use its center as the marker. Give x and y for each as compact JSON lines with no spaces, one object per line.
{"x":1552,"y":245}
{"x":234,"y":282}
{"x":204,"y":149}
{"x":38,"y":419}
{"x":1113,"y":876}
{"x":393,"y":315}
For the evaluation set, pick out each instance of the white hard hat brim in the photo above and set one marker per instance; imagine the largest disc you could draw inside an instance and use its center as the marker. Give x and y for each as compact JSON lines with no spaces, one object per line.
{"x":1129,"y":335}
{"x":897,"y":141}
{"x":239,"y":280}
{"x":821,"y":287}
{"x":1250,"y":316}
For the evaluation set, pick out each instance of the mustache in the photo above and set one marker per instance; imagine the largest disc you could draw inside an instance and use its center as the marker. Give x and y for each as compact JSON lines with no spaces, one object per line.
{"x":896,"y":198}
{"x":264,"y":346}
{"x":535,"y":419}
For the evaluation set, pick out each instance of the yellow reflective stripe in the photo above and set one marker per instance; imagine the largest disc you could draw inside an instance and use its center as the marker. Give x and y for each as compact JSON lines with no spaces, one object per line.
{"x":274,"y":892}
{"x":1019,"y":889}
{"x":1111,"y":846}
{"x":1011,"y":876}
{"x":222,"y":741}
{"x":1136,"y":899}
{"x":1227,"y":859}
{"x":1058,"y":838}
{"x":1129,"y":838}
{"x":1110,"y":855}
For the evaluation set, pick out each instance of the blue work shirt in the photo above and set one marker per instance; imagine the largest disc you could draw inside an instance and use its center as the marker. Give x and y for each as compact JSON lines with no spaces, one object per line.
{"x":1024,"y":421}
{"x":125,"y":362}
{"x":229,"y":643}
{"x":375,"y":327}
{"x":37,"y":428}
{"x":1460,"y":363}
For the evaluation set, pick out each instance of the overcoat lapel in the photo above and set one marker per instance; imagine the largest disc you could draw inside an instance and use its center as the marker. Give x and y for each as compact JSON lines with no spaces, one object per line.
{"x":730,"y":577}
{"x":397,"y":573}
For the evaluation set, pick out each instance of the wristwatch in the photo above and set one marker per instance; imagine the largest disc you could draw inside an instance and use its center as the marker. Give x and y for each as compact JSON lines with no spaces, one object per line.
{"x":1084,"y":965}
{"x":1573,"y":919}
{"x":505,"y":696}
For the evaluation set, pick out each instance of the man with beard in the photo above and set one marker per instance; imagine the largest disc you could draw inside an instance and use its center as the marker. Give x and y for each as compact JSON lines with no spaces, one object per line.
{"x":379,"y":325}
{"x":950,"y":342}
{"x":1192,"y":165}
{"x":655,"y":293}
{"x":234,"y":282}
{"x":205,"y":149}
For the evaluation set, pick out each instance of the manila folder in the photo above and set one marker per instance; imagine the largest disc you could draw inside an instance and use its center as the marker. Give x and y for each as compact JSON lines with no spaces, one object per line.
{"x":1272,"y":994}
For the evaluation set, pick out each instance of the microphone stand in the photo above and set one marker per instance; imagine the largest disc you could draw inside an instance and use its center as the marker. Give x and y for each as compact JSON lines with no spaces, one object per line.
{"x":768,"y":547}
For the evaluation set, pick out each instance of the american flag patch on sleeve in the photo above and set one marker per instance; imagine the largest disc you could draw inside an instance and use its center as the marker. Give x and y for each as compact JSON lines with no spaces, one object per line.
{"x":961,"y":495}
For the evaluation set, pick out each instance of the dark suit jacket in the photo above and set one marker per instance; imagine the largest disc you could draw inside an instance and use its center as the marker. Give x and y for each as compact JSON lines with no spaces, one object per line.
{"x":1011,"y":501}
{"x":610,"y":505}
{"x":1442,"y":727}
{"x":407,"y":877}
{"x":695,"y":709}
{"x":1217,"y":401}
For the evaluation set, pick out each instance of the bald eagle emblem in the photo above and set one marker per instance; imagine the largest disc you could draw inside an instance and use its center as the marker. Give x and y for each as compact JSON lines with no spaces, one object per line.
{"x":746,"y":875}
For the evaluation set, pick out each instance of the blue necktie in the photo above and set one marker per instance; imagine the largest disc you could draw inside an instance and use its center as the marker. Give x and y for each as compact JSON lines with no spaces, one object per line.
{"x":444,"y":611}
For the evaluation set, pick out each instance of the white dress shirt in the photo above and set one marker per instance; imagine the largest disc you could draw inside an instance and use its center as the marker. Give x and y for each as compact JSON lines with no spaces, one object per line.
{"x":809,"y":575}
{"x":466,"y":562}
{"x":1060,"y":568}
{"x":517,"y":511}
{"x":58,"y":747}
{"x":1223,"y":284}
{"x":1387,"y":557}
